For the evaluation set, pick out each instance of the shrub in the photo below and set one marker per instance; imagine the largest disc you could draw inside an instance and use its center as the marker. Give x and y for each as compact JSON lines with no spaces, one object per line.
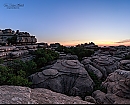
{"x":79,"y":51}
{"x":44,"y":56}
{"x":7,"y":77}
{"x":19,"y":81}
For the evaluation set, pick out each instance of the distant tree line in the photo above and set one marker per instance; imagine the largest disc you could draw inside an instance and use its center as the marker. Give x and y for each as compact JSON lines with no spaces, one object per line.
{"x":79,"y":51}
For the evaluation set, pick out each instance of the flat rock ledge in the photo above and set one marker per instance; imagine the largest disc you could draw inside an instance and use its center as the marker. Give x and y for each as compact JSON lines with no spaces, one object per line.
{"x":26,"y":95}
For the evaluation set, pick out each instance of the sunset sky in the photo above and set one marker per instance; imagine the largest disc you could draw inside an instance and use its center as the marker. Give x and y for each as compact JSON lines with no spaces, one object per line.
{"x":69,"y":22}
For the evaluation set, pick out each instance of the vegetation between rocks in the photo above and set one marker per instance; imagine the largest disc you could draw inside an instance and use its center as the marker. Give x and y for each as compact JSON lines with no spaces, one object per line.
{"x":17,"y":71}
{"x":127,"y":57}
{"x":79,"y":51}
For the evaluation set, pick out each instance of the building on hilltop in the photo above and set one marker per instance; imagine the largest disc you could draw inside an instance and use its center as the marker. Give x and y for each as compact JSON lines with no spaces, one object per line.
{"x":21,"y":38}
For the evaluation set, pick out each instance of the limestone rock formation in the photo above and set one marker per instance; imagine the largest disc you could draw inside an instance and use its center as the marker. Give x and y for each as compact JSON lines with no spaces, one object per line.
{"x":21,"y":38}
{"x":65,"y":76}
{"x":25,"y":95}
{"x":69,"y":57}
{"x":120,"y":53}
{"x":101,"y":64}
{"x":118,"y":89}
{"x":97,"y":72}
{"x":90,"y":99}
{"x":125,"y":65}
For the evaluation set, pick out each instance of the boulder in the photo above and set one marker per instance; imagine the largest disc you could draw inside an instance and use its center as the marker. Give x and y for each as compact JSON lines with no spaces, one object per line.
{"x":125,"y":65}
{"x":69,"y":57}
{"x":102,"y":98}
{"x":118,"y":89}
{"x":90,"y":99}
{"x":94,"y":70}
{"x":120,"y":53}
{"x":118,"y":83}
{"x":86,"y":61}
{"x":99,"y":96}
{"x":26,"y":95}
{"x":65,"y":76}
{"x":103,"y":64}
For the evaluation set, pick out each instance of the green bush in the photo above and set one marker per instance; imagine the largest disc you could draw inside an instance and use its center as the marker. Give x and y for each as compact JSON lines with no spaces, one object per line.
{"x":17,"y":65}
{"x":8,"y":77}
{"x":31,"y":67}
{"x":44,"y":56}
{"x":41,"y":61}
{"x":79,"y":51}
{"x":19,"y":81}
{"x":17,"y":71}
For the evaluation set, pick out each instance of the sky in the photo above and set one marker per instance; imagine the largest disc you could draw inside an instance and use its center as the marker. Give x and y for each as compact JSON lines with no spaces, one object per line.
{"x":69,"y":22}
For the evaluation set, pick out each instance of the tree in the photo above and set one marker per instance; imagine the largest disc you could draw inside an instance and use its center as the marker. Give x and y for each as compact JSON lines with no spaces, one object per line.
{"x":44,"y":56}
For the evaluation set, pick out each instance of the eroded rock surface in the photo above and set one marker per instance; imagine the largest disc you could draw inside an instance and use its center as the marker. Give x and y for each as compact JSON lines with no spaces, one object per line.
{"x":125,"y":65}
{"x":101,"y":65}
{"x":25,"y":95}
{"x":65,"y":76}
{"x":118,"y":89}
{"x":69,"y":57}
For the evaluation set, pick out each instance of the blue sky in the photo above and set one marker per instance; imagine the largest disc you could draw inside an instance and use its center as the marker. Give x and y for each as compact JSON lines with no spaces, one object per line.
{"x":70,"y":22}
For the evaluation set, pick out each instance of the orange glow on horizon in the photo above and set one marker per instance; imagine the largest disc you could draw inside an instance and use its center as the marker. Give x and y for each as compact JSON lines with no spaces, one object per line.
{"x":100,"y":44}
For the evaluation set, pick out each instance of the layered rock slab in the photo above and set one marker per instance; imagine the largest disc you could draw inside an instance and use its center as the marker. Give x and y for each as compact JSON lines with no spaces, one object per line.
{"x":118,"y":89}
{"x":101,"y":65}
{"x":65,"y":76}
{"x":25,"y":95}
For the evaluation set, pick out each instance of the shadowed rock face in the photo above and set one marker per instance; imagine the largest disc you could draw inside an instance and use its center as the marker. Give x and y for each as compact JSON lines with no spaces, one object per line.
{"x":65,"y":76}
{"x":118,"y":83}
{"x":125,"y":65}
{"x":69,"y":57}
{"x":101,"y":65}
{"x":118,"y":89}
{"x":25,"y":95}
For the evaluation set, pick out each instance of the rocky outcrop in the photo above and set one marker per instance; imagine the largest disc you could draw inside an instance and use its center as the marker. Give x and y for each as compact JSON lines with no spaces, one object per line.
{"x":26,"y":39}
{"x":19,"y":53}
{"x":90,"y":99}
{"x":18,"y":37}
{"x":101,"y":65}
{"x":25,"y":95}
{"x":118,"y":89}
{"x":125,"y":65}
{"x":120,"y":53}
{"x":69,"y":57}
{"x":65,"y":76}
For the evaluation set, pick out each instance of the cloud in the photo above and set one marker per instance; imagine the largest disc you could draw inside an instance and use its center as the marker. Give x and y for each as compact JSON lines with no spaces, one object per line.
{"x":124,"y":41}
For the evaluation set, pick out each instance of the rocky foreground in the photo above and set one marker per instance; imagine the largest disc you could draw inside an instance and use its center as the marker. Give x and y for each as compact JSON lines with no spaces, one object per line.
{"x":68,"y":81}
{"x":25,"y":95}
{"x":70,"y":77}
{"x":118,"y":89}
